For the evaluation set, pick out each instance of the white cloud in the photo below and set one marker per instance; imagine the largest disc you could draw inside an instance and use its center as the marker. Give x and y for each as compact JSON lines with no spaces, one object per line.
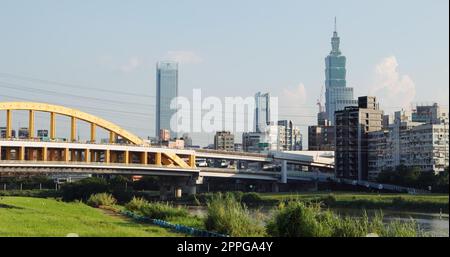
{"x":186,"y":57}
{"x":295,"y":97}
{"x":132,"y":64}
{"x":392,"y":89}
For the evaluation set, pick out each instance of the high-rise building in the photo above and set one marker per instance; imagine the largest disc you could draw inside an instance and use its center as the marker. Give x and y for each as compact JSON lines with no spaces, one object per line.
{"x":224,"y":140}
{"x":321,"y":136}
{"x":337,"y":94}
{"x":262,"y":111}
{"x":352,"y":127}
{"x":290,"y":138}
{"x":166,"y":91}
{"x":429,"y":114}
{"x":261,"y":142}
{"x":164,"y":135}
{"x":414,"y":144}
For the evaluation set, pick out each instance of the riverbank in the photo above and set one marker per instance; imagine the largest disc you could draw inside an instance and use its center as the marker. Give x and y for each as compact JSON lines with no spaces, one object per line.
{"x":404,"y":202}
{"x":25,"y":217}
{"x":431,"y":203}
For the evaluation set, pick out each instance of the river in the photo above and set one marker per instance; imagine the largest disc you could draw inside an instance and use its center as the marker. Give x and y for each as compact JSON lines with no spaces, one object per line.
{"x":431,"y":223}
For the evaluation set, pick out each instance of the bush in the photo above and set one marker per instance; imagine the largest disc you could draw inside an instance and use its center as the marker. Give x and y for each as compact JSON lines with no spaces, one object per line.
{"x":297,"y":219}
{"x":136,"y":204}
{"x":227,"y":215}
{"x":101,"y":199}
{"x":251,"y":198}
{"x":83,"y":189}
{"x":163,"y":211}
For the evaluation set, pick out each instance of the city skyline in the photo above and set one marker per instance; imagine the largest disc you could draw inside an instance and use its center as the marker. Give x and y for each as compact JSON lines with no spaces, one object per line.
{"x":126,"y":63}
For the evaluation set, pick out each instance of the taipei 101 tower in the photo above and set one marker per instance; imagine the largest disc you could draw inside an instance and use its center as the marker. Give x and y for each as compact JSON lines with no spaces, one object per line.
{"x":337,"y":94}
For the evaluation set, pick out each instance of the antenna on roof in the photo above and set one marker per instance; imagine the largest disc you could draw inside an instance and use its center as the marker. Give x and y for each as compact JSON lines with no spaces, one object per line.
{"x":335,"y":24}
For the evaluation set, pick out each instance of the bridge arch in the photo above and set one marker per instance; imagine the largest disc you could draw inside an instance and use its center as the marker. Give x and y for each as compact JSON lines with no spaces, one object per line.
{"x":74,"y":114}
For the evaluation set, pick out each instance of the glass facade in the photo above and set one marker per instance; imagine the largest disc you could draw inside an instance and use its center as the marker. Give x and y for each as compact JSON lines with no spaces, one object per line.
{"x":337,"y":94}
{"x":166,"y":90}
{"x":262,"y":111}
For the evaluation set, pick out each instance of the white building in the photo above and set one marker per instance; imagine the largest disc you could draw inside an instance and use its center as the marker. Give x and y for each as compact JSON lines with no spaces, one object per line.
{"x":424,"y":145}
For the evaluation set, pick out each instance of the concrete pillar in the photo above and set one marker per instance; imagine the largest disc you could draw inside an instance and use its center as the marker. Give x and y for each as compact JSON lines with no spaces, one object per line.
{"x":275,"y":188}
{"x":52,"y":125}
{"x":44,"y":154}
{"x":22,"y":153}
{"x":93,"y":132}
{"x":158,"y":158}
{"x":163,"y":192}
{"x":126,"y":157}
{"x":87,"y":155}
{"x":178,"y":192}
{"x":66,"y":155}
{"x":31,"y":124}
{"x":73,"y":129}
{"x":8,"y":124}
{"x":284,"y":171}
{"x":107,"y":156}
{"x":144,"y":158}
{"x":112,"y":137}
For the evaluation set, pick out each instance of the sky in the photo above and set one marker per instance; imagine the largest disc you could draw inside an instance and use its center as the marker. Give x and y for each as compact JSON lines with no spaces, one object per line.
{"x":100,"y":55}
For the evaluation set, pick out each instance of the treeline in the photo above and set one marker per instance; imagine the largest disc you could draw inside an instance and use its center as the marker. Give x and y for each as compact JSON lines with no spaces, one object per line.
{"x":414,"y":177}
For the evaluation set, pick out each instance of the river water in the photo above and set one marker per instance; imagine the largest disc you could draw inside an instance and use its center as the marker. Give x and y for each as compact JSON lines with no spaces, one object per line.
{"x":433,"y":224}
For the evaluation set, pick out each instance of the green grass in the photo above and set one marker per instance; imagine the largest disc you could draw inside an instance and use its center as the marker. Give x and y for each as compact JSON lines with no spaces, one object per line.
{"x":24,"y":217}
{"x":425,"y":202}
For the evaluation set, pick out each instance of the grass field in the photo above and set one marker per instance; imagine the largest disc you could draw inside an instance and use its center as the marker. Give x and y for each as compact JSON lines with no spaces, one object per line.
{"x":24,"y":217}
{"x":426,"y":202}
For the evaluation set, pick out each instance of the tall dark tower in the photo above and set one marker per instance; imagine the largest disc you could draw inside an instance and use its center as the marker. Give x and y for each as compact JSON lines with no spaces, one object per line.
{"x":337,"y":95}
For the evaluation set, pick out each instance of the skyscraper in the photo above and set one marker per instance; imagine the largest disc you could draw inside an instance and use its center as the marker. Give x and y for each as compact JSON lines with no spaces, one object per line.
{"x":166,"y":90}
{"x":262,"y":111}
{"x":337,"y":94}
{"x":352,"y":127}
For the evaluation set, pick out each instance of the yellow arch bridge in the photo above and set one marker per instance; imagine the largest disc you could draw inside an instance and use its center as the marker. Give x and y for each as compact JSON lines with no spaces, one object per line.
{"x":136,"y":151}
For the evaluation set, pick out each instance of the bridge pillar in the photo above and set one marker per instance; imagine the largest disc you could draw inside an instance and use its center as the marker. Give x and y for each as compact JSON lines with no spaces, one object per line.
{"x":31,"y":125}
{"x":87,"y":155}
{"x":52,"y":125}
{"x":22,"y":153}
{"x":158,"y":158}
{"x":144,"y":158}
{"x":44,"y":154}
{"x":8,"y":124}
{"x":284,"y":171}
{"x":73,"y":129}
{"x":93,"y":132}
{"x":275,"y":188}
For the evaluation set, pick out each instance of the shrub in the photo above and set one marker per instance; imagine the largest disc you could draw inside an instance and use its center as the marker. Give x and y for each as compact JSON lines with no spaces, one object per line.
{"x":227,"y":215}
{"x":251,"y":198}
{"x":136,"y":204}
{"x":163,"y":211}
{"x":297,"y":219}
{"x":101,"y":199}
{"x":83,"y":189}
